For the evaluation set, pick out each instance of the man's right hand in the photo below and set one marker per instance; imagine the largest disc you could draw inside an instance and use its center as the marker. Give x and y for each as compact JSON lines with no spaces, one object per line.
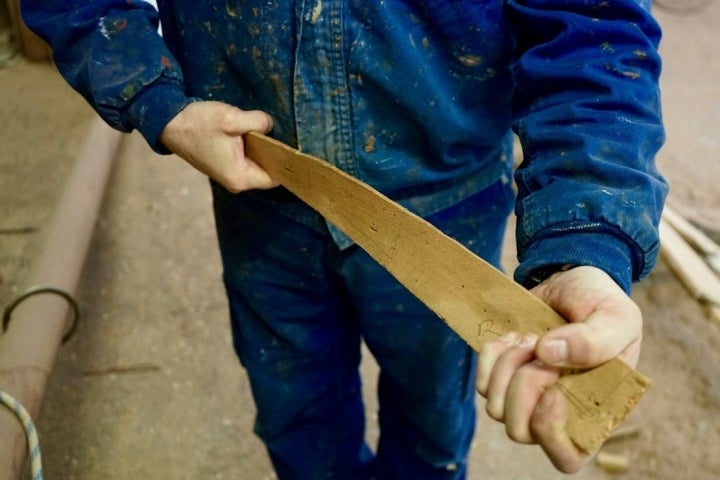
{"x":208,"y":135}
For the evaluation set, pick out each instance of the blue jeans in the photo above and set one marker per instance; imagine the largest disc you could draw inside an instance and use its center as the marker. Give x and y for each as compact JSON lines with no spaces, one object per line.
{"x":299,"y":310}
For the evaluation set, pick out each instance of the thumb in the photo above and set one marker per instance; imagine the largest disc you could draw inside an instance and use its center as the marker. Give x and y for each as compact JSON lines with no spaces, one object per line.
{"x":603,"y":321}
{"x":239,"y":122}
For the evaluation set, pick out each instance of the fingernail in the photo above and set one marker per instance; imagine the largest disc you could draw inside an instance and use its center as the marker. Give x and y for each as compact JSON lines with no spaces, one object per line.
{"x":528,"y":340}
{"x":556,"y":351}
{"x":509,"y":337}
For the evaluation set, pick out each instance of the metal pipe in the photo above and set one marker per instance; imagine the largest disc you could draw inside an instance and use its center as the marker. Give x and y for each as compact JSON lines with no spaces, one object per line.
{"x":38,"y":323}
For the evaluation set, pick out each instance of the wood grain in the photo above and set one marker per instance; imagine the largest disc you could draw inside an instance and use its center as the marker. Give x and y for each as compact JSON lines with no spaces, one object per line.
{"x":476,"y":300}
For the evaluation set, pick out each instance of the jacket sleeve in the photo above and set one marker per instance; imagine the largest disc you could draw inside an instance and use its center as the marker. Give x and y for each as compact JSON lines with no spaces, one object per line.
{"x":111,"y":53}
{"x":587,"y":111}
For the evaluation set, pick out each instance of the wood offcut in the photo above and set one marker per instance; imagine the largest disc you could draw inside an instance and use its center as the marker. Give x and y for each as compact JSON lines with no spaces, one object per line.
{"x":476,"y":300}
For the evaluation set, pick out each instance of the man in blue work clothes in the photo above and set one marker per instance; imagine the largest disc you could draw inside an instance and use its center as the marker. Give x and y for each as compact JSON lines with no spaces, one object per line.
{"x":419,"y":100}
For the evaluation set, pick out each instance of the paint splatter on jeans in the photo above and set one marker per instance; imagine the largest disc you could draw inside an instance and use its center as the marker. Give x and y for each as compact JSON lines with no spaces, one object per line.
{"x":300,"y":308}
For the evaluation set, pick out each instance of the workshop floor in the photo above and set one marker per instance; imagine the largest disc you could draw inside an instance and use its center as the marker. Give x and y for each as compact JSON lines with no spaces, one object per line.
{"x":149,"y":388}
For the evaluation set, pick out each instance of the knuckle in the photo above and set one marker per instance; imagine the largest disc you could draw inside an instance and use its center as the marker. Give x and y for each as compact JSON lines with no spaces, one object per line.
{"x":228,"y":117}
{"x":495,"y":411}
{"x":481,"y":386}
{"x":580,"y":349}
{"x":519,"y":435}
{"x":234,"y":185}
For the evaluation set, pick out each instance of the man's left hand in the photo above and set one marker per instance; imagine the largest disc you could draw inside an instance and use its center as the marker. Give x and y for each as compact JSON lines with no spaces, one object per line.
{"x":517,"y":373}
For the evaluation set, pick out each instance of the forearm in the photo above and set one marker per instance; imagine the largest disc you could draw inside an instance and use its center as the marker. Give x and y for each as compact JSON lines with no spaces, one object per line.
{"x":587,"y":111}
{"x":110,"y":52}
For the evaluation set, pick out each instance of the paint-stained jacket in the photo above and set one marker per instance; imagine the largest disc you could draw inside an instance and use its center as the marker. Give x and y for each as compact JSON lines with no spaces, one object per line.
{"x":416,"y":98}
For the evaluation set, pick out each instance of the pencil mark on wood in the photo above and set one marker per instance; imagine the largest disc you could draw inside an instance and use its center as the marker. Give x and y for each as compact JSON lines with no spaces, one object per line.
{"x":485,"y":327}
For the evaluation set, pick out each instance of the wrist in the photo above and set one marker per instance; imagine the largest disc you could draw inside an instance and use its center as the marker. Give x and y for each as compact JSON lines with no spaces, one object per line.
{"x":153,"y":109}
{"x":539,"y":275}
{"x":601,"y":250}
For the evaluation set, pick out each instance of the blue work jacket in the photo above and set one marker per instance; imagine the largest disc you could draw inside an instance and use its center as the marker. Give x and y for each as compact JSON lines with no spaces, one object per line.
{"x":416,"y":98}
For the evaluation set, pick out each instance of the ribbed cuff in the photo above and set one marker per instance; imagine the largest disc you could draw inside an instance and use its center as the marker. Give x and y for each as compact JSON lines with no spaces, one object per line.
{"x":152,"y":109}
{"x":600,"y":250}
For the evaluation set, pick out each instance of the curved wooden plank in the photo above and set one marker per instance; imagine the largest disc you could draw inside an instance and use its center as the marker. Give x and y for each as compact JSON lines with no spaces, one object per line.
{"x":476,"y":300}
